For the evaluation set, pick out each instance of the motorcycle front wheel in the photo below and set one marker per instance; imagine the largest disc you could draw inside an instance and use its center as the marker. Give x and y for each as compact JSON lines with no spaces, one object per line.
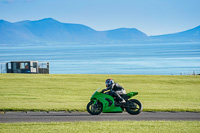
{"x":94,"y":109}
{"x":134,"y":107}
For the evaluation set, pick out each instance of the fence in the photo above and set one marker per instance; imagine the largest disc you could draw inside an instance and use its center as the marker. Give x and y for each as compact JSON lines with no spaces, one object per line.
{"x":3,"y":68}
{"x":43,"y":67}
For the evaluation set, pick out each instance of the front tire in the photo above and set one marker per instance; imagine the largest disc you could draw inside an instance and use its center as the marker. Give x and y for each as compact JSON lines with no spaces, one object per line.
{"x":94,"y":109}
{"x":134,"y":107}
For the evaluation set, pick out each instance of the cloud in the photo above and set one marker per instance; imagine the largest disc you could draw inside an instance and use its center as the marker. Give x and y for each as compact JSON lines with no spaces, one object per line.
{"x":13,"y":1}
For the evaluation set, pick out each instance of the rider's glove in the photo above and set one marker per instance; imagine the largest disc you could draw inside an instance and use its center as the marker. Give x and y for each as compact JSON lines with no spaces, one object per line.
{"x":103,"y":90}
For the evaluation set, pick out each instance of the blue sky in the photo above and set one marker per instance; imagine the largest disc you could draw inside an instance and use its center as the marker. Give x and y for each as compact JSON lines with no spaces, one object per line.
{"x":153,"y":17}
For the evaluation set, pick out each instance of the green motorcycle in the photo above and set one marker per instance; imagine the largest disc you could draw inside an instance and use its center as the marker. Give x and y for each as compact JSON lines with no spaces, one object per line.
{"x":103,"y":102}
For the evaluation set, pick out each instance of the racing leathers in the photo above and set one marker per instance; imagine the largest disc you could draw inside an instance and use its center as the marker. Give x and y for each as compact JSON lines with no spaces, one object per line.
{"x":116,"y":90}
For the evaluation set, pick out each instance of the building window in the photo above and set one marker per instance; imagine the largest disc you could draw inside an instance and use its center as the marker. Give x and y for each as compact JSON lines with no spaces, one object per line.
{"x":24,"y":66}
{"x":17,"y":65}
{"x":34,"y":64}
{"x":9,"y":65}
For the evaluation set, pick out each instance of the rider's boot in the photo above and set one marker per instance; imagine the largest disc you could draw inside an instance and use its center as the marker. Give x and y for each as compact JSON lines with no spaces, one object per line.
{"x":122,"y":101}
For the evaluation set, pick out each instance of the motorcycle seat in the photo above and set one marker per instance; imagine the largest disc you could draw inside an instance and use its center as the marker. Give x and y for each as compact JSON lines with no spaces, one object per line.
{"x":124,"y":96}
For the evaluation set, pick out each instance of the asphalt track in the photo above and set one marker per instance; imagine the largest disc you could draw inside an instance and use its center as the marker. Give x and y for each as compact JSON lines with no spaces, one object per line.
{"x":11,"y":117}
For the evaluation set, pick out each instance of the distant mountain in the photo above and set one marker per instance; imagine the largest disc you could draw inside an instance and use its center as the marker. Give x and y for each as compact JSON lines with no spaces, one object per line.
{"x":11,"y":33}
{"x":125,"y":35}
{"x":192,"y":35}
{"x":47,"y":31}
{"x":51,"y":32}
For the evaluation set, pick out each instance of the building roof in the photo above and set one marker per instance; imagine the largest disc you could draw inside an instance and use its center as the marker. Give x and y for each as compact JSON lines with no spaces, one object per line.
{"x":23,"y":61}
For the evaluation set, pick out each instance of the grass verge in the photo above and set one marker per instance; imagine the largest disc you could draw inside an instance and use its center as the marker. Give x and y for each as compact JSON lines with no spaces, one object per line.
{"x":72,"y":92}
{"x":105,"y":127}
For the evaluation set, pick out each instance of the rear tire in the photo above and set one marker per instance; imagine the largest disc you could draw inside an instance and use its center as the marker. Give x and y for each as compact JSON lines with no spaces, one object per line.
{"x":134,"y":107}
{"x":94,"y":109}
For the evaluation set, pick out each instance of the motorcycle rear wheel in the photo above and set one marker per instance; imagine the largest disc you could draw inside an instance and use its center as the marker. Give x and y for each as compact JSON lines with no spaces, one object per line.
{"x":94,"y":109}
{"x":134,"y":107}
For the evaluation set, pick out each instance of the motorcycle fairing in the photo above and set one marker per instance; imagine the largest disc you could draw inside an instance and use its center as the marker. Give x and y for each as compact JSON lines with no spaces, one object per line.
{"x":106,"y":107}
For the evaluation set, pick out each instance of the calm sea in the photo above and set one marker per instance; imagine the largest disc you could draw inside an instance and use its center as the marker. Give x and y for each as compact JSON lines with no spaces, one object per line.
{"x":151,"y":59}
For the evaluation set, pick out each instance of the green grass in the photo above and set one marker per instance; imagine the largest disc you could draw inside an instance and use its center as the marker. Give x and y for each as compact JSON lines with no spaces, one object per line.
{"x":104,"y":127}
{"x":21,"y":92}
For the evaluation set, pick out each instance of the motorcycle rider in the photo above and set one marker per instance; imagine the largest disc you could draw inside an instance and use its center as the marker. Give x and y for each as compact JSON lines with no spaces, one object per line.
{"x":115,"y":89}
